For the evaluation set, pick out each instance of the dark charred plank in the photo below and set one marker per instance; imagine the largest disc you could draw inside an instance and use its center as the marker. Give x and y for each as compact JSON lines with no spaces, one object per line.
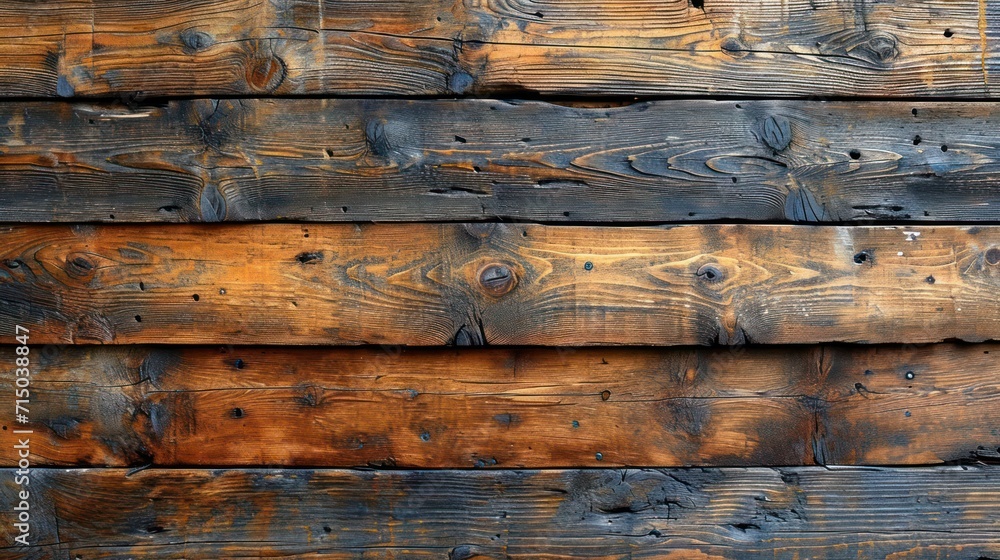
{"x":435,"y":284}
{"x":504,"y":408}
{"x":481,"y":160}
{"x":451,"y":47}
{"x":946,"y":512}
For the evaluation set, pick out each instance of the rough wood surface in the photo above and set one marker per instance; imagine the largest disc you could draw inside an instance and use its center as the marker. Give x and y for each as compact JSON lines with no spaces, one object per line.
{"x":448,"y":47}
{"x":470,"y":160}
{"x":502,"y":408}
{"x":473,"y":284}
{"x":945,"y":512}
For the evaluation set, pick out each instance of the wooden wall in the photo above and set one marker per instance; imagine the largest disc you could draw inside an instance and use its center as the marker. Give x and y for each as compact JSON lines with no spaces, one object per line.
{"x":471,"y":279}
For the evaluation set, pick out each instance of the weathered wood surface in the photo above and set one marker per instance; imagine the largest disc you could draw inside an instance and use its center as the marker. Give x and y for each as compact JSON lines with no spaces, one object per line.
{"x":389,"y":160}
{"x":433,"y":284}
{"x":447,"y":47}
{"x":503,"y":408}
{"x":945,"y":512}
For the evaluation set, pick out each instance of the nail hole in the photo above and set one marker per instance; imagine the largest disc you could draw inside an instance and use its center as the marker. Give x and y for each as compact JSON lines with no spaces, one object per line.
{"x":914,"y":111}
{"x":944,"y":147}
{"x":930,"y":280}
{"x":138,"y":319}
{"x":239,"y":363}
{"x":862,"y":257}
{"x":948,"y":33}
{"x":196,"y":297}
{"x":142,"y":287}
{"x":326,"y":528}
{"x":460,"y":140}
{"x":855,"y":154}
{"x":237,"y":413}
{"x":916,"y":140}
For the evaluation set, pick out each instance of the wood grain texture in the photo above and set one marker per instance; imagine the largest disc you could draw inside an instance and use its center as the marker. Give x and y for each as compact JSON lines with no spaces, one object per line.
{"x":504,"y":408}
{"x":946,"y":512}
{"x":433,"y":284}
{"x":388,"y":160}
{"x":449,"y":47}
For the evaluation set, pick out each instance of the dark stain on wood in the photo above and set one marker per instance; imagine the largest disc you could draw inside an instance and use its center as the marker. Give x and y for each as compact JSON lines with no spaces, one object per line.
{"x":718,"y":513}
{"x":346,"y":160}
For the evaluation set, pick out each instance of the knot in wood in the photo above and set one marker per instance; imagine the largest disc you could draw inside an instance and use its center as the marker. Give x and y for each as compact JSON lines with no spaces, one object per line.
{"x":881,"y":47}
{"x":993,"y":256}
{"x":711,"y":273}
{"x":459,"y":82}
{"x":735,"y":47}
{"x":212,"y":205}
{"x":264,"y":73}
{"x":776,"y":132}
{"x":497,"y":279}
{"x":376,"y":139}
{"x":79,"y":265}
{"x":194,"y":41}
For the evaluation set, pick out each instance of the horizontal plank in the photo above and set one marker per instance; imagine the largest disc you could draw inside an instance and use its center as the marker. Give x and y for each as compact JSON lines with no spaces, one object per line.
{"x":473,"y":160}
{"x":503,"y":408}
{"x":448,"y":47}
{"x":473,"y":284}
{"x":944,"y":512}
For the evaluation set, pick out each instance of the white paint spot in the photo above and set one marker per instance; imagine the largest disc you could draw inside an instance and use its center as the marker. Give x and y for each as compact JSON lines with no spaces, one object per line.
{"x":911,"y":235}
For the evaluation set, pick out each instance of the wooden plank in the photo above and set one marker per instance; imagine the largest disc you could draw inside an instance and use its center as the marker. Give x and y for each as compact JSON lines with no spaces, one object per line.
{"x":449,"y":47}
{"x":433,"y":284}
{"x":504,"y":408}
{"x":359,"y":160}
{"x":944,"y":512}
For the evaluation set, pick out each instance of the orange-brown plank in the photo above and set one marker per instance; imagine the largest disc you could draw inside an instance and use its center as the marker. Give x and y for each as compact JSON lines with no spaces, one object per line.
{"x":672,"y":514}
{"x":359,"y":47}
{"x":433,"y":284}
{"x":597,"y":407}
{"x":474,"y":159}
